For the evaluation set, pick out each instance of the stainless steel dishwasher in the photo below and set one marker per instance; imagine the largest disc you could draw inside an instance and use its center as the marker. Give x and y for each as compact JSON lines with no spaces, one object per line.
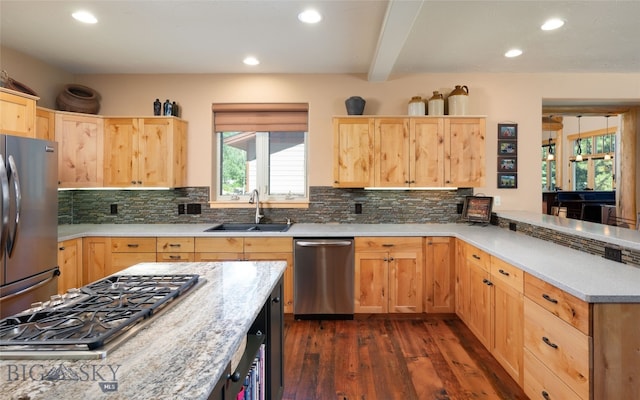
{"x":323,"y":278}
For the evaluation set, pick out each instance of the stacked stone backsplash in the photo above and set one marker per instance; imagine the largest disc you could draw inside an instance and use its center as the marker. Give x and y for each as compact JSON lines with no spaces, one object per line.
{"x":327,"y":205}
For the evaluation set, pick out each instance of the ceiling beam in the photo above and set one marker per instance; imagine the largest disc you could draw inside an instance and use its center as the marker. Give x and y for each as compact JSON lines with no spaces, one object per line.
{"x":397,"y":24}
{"x":584,"y":110}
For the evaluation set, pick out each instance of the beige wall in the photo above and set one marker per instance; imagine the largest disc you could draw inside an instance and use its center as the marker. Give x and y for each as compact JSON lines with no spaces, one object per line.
{"x":44,"y":79}
{"x":501,"y":97}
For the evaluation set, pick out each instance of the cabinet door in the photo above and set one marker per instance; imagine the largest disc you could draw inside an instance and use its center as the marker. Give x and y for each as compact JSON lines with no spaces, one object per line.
{"x":439,"y":275}
{"x":45,"y":124}
{"x":17,"y":114}
{"x":464,"y":152}
{"x":121,"y":152}
{"x":405,"y":282}
{"x":353,"y":152}
{"x":392,"y":157}
{"x":479,"y":318}
{"x":508,"y":332}
{"x":154,"y":152}
{"x":70,"y":263}
{"x":80,"y":150}
{"x":371,"y":282}
{"x":96,"y":259}
{"x":462,"y":282}
{"x":427,"y":151}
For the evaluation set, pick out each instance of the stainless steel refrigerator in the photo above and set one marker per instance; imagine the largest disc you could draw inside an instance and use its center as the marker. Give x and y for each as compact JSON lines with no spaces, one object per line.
{"x":28,"y":222}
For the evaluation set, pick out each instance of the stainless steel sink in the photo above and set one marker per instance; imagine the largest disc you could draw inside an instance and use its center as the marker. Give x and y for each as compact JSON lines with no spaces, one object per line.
{"x":232,"y":227}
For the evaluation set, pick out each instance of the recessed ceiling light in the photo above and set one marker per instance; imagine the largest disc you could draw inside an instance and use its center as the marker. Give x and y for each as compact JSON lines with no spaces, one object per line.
{"x":310,"y":16}
{"x":251,"y":61}
{"x":551,"y":24}
{"x":84,"y":16}
{"x":513,"y":53}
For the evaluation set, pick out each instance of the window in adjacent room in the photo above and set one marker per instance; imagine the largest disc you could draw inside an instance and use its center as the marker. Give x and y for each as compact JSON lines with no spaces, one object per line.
{"x":263,"y":147}
{"x":596,"y":170}
{"x":548,"y":167}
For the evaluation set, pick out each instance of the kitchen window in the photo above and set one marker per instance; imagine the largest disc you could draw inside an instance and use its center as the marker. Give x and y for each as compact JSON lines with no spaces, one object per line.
{"x":596,"y":170}
{"x":548,"y":167}
{"x":263,"y":147}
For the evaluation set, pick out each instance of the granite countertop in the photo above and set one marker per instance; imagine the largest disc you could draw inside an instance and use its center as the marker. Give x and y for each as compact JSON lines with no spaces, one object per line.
{"x":196,"y":339}
{"x":588,"y":277}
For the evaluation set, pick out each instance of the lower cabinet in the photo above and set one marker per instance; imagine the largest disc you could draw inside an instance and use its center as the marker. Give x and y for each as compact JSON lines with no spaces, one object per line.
{"x":267,"y":329}
{"x":128,"y":251}
{"x":70,"y":263}
{"x":439,"y":275}
{"x":388,"y":275}
{"x":492,"y":306}
{"x":254,"y":249}
{"x":174,"y":249}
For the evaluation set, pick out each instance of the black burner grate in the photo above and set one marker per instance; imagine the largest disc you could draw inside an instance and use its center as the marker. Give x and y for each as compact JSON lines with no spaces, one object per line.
{"x":105,"y":309}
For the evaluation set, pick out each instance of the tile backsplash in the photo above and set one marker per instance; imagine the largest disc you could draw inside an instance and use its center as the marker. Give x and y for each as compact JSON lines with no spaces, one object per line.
{"x":327,"y":204}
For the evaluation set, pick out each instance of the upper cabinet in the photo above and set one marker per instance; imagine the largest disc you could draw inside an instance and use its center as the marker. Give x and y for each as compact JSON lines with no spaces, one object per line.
{"x":80,"y":150}
{"x":409,"y":152}
{"x":45,"y":124}
{"x":352,"y":152}
{"x":17,"y":113}
{"x":145,"y":152}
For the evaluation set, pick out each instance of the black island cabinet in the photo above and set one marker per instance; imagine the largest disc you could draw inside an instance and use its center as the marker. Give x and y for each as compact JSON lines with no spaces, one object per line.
{"x":267,"y":329}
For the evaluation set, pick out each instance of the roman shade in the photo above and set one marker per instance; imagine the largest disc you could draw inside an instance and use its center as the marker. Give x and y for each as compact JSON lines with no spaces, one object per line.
{"x":260,"y":117}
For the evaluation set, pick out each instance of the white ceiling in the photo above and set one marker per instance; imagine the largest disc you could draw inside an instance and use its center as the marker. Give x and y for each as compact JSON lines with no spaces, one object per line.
{"x":373,"y":37}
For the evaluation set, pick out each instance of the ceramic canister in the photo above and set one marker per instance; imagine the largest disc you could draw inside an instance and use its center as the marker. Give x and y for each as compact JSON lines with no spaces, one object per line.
{"x":416,"y":106}
{"x":459,"y":100}
{"x":436,"y":104}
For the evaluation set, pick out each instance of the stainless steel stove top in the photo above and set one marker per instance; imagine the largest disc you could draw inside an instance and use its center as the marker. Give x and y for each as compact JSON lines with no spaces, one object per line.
{"x":87,"y":323}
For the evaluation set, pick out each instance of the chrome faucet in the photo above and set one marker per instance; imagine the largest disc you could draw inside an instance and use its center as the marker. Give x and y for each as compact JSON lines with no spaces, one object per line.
{"x":255,"y":198}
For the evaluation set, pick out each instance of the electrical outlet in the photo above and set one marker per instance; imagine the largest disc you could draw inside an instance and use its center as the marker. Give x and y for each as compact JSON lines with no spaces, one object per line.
{"x":513,"y":226}
{"x":358,"y":208}
{"x":114,"y":209}
{"x":497,"y":200}
{"x":181,"y":209}
{"x":194,"y":208}
{"x":613,"y":254}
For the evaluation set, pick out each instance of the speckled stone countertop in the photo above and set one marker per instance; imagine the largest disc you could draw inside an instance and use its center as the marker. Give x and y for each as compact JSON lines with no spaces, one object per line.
{"x":588,"y":277}
{"x":181,"y":355}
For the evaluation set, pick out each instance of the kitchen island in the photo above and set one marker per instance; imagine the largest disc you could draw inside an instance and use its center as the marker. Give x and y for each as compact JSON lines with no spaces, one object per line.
{"x":181,"y":355}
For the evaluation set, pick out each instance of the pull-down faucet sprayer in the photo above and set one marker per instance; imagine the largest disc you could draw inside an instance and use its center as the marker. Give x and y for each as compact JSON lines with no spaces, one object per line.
{"x":255,"y":198}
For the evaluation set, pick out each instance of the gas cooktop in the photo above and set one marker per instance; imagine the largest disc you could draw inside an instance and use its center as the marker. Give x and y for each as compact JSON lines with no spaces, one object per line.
{"x":89,"y":321}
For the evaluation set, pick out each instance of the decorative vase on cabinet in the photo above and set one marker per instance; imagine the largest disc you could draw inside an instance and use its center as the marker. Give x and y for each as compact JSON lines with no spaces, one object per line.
{"x":355,"y":105}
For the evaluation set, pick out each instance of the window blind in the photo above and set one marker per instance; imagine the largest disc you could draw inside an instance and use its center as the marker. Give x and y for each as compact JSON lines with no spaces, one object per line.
{"x":260,"y":117}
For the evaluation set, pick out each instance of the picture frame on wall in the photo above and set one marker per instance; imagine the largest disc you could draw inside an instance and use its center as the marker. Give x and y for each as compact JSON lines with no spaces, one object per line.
{"x":507,"y":164}
{"x":508,"y":131}
{"x":507,"y":180}
{"x":507,"y":147}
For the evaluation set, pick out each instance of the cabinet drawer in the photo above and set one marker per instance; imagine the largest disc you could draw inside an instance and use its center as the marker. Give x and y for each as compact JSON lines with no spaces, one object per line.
{"x":219,"y":244}
{"x":558,"y":345}
{"x":540,"y":383}
{"x":268,"y":245}
{"x":561,"y":304}
{"x":174,"y":257}
{"x":507,"y":273}
{"x":175,"y":245}
{"x":478,"y":257}
{"x":133,"y":245}
{"x":388,"y":244}
{"x":215,"y":257}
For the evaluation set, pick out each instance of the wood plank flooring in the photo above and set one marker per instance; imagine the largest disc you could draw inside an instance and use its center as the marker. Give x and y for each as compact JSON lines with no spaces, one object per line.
{"x":434,"y":357}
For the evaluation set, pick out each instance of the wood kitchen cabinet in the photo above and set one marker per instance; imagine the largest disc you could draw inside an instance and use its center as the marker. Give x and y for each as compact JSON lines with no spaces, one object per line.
{"x":388,"y":275}
{"x":253,"y":249}
{"x":175,"y":249}
{"x":128,"y":251}
{"x":409,"y":151}
{"x":80,"y":150}
{"x":145,"y":152}
{"x":353,"y":139}
{"x":70,"y":263}
{"x":96,"y":258}
{"x":490,"y":302}
{"x":17,"y":113}
{"x":439,"y":275}
{"x":45,"y":124}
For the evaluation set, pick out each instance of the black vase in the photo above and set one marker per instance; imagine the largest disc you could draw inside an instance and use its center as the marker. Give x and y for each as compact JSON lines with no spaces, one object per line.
{"x":157,"y":107}
{"x":355,"y":105}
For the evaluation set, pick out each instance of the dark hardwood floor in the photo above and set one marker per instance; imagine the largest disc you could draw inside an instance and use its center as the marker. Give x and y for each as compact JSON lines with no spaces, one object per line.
{"x":380,"y":358}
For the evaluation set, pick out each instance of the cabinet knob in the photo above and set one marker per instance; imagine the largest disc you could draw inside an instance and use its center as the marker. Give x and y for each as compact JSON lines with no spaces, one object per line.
{"x":545,"y":395}
{"x":477,"y":257}
{"x":487,"y":282}
{"x":235,"y":377}
{"x":139,"y":182}
{"x":61,"y":248}
{"x":549,"y":298}
{"x":276,"y":300}
{"x":503,"y":272}
{"x":133,"y":182}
